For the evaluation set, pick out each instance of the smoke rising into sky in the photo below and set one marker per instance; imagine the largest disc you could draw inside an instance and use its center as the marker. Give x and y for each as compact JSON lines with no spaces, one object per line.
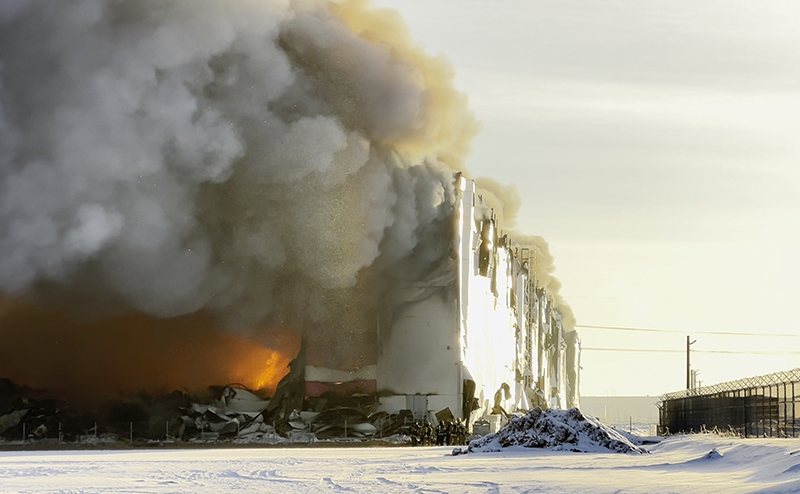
{"x":247,"y":159}
{"x":184,"y":155}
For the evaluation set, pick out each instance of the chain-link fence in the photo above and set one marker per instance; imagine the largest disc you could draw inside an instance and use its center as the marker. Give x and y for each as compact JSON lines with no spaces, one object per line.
{"x":763,"y":406}
{"x":109,"y":433}
{"x":51,"y":432}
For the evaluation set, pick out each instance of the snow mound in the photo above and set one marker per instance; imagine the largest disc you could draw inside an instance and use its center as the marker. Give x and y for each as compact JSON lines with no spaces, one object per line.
{"x":557,"y":430}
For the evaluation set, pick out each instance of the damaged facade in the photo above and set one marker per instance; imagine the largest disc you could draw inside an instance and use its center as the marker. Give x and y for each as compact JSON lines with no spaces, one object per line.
{"x":478,"y":338}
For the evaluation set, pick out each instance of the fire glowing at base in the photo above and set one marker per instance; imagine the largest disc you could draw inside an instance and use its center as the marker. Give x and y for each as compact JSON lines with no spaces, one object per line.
{"x":261,"y":368}
{"x":96,"y":360}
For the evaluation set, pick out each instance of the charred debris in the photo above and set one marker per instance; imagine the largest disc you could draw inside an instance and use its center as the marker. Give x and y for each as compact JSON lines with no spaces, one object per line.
{"x":230,"y":414}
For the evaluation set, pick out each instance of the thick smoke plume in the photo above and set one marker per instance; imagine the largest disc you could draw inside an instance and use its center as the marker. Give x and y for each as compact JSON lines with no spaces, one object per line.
{"x":186,"y":154}
{"x":173,"y":167}
{"x":249,"y":160}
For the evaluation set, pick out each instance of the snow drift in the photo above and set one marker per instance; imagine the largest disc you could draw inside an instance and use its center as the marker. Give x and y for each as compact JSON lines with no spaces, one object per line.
{"x":558,"y":430}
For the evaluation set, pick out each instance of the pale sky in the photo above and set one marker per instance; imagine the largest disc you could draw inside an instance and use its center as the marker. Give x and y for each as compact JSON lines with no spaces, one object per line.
{"x":656,"y":146}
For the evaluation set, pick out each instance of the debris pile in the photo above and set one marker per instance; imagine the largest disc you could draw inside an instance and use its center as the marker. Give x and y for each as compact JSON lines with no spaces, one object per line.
{"x":236,"y":413}
{"x":24,"y":413}
{"x":558,"y":430}
{"x":229,"y":413}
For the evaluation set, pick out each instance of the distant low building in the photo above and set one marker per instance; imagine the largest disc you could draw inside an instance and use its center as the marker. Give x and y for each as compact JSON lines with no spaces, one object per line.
{"x":621,"y":409}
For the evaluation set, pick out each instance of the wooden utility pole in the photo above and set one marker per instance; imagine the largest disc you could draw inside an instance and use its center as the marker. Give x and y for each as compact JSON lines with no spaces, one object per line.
{"x":688,"y":362}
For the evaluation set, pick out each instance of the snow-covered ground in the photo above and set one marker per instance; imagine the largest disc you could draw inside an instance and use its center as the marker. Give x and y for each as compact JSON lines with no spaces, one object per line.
{"x":677,"y":465}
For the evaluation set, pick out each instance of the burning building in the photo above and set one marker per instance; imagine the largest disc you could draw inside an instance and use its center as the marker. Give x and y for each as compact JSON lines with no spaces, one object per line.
{"x":189,"y":188}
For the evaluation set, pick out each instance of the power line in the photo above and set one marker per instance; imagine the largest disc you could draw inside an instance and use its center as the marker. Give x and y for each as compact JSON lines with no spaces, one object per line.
{"x":734,"y":352}
{"x":653,"y":350}
{"x":652,"y":330}
{"x":641,"y":350}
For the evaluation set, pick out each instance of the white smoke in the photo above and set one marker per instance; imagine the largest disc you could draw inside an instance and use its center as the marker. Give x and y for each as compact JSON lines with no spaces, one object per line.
{"x":243,"y":157}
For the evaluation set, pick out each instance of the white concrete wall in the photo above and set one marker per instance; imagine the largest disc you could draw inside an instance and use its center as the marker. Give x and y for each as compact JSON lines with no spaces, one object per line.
{"x":419,"y":353}
{"x":488,"y":335}
{"x":473,"y":330}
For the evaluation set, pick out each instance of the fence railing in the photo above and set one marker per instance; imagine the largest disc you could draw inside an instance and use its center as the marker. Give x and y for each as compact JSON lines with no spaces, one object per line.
{"x":762,"y":406}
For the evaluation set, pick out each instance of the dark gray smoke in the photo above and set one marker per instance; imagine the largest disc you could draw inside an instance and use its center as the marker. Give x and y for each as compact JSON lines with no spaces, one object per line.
{"x":242,"y":157}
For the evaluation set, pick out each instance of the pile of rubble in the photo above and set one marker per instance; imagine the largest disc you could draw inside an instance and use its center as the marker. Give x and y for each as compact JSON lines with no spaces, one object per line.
{"x":237,"y":412}
{"x":242,"y":415}
{"x":225,"y":413}
{"x":23,"y":411}
{"x":558,"y":430}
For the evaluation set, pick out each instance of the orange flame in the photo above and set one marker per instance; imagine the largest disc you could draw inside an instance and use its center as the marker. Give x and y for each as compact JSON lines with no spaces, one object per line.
{"x":260,"y":368}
